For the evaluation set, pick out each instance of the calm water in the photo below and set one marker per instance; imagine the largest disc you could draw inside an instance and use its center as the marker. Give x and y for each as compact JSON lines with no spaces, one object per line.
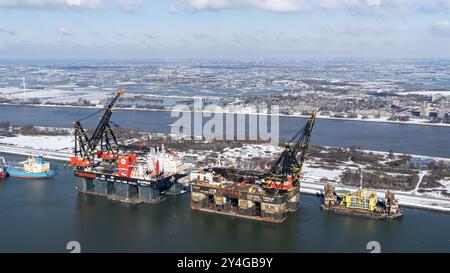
{"x":413,"y":139}
{"x":42,"y":216}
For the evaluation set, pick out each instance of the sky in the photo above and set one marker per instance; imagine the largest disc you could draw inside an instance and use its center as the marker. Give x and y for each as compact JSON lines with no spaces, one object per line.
{"x":224,"y":29}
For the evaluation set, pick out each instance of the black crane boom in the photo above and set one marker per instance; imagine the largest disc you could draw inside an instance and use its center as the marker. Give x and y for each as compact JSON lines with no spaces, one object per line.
{"x":287,"y":164}
{"x":103,"y":126}
{"x":85,"y":147}
{"x":302,"y":144}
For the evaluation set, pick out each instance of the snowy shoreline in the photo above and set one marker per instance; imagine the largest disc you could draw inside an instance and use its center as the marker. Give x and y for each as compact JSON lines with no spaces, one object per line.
{"x":310,"y":185}
{"x":59,"y":148}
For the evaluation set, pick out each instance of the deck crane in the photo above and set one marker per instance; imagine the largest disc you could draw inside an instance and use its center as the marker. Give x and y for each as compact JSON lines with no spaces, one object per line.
{"x":285,"y":172}
{"x":86,"y":147}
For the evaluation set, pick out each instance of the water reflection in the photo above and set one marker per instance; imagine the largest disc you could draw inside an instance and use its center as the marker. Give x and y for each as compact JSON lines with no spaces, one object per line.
{"x":43,"y":216}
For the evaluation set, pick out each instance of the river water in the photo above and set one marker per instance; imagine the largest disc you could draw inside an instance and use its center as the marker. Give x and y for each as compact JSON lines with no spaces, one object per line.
{"x":412,"y":139}
{"x":44,"y":215}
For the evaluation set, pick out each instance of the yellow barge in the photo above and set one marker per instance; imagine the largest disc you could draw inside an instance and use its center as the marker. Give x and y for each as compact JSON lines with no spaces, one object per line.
{"x":362,"y":202}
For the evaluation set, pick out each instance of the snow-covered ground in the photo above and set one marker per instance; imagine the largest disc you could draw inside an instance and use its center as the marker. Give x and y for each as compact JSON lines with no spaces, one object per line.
{"x":252,"y":151}
{"x":426,"y":93}
{"x":319,"y":173}
{"x":437,"y":192}
{"x":313,"y":172}
{"x":48,"y":143}
{"x":91,"y":94}
{"x":412,"y":121}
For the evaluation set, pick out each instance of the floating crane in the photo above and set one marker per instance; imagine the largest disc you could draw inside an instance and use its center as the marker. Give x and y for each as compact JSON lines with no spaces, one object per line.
{"x":86,"y":147}
{"x":285,"y":172}
{"x":251,"y":194}
{"x":131,"y":176}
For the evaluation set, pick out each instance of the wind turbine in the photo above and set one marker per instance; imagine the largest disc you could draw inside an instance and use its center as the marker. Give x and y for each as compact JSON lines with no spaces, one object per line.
{"x":24,"y":89}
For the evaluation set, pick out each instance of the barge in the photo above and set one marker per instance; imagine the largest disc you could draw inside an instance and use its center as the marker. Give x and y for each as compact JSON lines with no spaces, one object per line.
{"x":212,"y":192}
{"x":361,"y":203}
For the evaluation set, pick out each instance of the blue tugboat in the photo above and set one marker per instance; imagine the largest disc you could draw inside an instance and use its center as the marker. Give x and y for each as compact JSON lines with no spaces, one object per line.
{"x":32,"y":168}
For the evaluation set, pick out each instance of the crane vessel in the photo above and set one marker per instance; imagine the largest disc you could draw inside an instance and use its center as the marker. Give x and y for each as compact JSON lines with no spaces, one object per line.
{"x":103,"y":168}
{"x":266,"y":196}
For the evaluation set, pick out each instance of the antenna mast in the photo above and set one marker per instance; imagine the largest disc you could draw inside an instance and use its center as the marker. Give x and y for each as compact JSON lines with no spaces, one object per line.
{"x":361,"y":179}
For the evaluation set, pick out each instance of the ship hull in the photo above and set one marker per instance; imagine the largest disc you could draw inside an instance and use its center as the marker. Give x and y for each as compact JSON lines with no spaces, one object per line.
{"x":26,"y":175}
{"x":123,"y":189}
{"x":236,"y":202}
{"x":359,"y":212}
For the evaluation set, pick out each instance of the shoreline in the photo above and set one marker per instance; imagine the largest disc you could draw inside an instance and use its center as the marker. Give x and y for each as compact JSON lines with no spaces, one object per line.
{"x":310,"y":185}
{"x":415,"y":123}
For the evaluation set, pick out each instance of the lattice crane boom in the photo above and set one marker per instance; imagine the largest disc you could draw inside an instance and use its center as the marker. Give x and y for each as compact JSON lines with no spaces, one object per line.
{"x":287,"y":166}
{"x":303,"y":141}
{"x":103,"y":126}
{"x":85,"y":146}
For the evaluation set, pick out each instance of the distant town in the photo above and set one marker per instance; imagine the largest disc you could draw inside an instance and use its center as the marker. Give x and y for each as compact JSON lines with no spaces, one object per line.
{"x":376,"y":90}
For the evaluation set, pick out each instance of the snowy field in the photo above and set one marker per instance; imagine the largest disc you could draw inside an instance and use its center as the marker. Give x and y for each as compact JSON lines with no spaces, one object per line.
{"x":319,"y":173}
{"x":91,"y":94}
{"x":47,"y":143}
{"x":251,"y":151}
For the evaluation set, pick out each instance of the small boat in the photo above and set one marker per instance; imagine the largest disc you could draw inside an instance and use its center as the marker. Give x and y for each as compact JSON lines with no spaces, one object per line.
{"x":3,"y":173}
{"x":33,"y":168}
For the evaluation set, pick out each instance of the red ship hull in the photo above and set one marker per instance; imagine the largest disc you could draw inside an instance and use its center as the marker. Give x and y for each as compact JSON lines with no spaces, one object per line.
{"x":3,"y":175}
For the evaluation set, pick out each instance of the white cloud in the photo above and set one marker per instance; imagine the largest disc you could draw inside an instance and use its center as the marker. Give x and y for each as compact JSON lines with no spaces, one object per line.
{"x":349,"y":4}
{"x":282,"y":6}
{"x":126,"y":5}
{"x":378,"y":7}
{"x":441,"y":29}
{"x":52,"y":4}
{"x":64,"y":31}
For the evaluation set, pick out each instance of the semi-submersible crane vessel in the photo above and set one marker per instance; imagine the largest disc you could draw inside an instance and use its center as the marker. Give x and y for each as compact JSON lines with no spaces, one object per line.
{"x":260,"y":196}
{"x":103,"y":169}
